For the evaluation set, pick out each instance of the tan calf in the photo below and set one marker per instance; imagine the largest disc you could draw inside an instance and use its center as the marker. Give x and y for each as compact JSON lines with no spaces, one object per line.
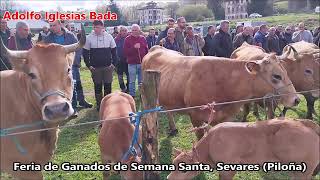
{"x":277,"y":140}
{"x":115,"y":135}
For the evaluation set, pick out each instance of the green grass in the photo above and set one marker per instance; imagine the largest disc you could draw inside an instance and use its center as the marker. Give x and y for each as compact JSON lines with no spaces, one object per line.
{"x":281,"y":4}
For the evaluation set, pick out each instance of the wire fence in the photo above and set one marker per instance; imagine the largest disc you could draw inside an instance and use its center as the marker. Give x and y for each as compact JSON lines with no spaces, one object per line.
{"x":160,"y":111}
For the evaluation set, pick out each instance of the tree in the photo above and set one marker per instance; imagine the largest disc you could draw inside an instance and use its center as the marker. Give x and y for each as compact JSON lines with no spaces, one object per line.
{"x":195,"y":12}
{"x":115,"y":9}
{"x":172,"y":9}
{"x":265,"y":8}
{"x":217,"y":8}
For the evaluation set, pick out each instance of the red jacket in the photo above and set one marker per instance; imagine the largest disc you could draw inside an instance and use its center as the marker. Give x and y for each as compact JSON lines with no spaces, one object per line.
{"x":131,"y":53}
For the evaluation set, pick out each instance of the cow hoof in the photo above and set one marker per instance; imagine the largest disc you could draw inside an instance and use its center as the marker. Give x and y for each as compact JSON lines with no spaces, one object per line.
{"x":173,"y":132}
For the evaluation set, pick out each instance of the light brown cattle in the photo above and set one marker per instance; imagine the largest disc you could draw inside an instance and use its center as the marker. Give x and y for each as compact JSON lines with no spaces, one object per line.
{"x":307,"y":48}
{"x":191,"y":81}
{"x":303,"y":69}
{"x":115,"y":135}
{"x":39,"y":90}
{"x":276,"y":140}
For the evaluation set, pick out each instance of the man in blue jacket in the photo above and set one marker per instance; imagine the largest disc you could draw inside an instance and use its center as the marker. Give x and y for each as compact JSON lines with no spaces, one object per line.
{"x":59,"y":35}
{"x":260,"y":37}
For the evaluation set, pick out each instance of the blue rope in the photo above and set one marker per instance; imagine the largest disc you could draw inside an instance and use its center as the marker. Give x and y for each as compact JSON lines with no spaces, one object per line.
{"x":6,"y":132}
{"x":135,"y":119}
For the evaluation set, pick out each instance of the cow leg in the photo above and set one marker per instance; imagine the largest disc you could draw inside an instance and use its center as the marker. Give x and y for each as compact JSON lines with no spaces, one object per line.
{"x":226,"y":175}
{"x":270,"y":111}
{"x":284,"y":111}
{"x":246,"y":110}
{"x":310,"y":105}
{"x":256,"y":111}
{"x":172,"y":125}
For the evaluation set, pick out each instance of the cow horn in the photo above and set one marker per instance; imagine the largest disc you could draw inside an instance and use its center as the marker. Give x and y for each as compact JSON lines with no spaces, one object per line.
{"x":73,"y":47}
{"x":12,"y":54}
{"x":295,"y":53}
{"x":287,"y":53}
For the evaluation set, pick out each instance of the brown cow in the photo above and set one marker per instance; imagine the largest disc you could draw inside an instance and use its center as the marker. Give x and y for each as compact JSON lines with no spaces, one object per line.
{"x":302,"y":68}
{"x":282,"y":141}
{"x":115,"y":135}
{"x":307,"y":48}
{"x":191,"y":81}
{"x":40,"y":90}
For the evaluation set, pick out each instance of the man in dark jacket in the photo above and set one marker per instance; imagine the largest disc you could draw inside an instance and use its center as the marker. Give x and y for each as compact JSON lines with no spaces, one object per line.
{"x":100,"y":56}
{"x":59,"y":35}
{"x":273,"y":41}
{"x":122,"y":67}
{"x":163,"y":34}
{"x":282,"y":39}
{"x":223,"y":41}
{"x":288,"y":35}
{"x":170,"y":42}
{"x":151,"y":38}
{"x":4,"y":35}
{"x":208,"y":49}
{"x":260,"y":37}
{"x":316,"y":36}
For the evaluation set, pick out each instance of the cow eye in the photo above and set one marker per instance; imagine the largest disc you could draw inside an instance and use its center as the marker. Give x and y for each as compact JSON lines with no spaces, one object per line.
{"x":308,"y":72}
{"x":276,"y":77}
{"x":69,"y":70}
{"x":32,"y":75}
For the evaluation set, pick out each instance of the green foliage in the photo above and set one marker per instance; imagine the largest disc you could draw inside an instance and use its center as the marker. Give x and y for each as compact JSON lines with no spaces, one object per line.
{"x":194,"y":12}
{"x":115,"y":9}
{"x":262,"y":7}
{"x":217,"y":8}
{"x":281,"y":7}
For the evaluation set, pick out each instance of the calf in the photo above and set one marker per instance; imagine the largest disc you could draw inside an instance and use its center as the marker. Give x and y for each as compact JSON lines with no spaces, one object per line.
{"x":115,"y":135}
{"x":284,"y":141}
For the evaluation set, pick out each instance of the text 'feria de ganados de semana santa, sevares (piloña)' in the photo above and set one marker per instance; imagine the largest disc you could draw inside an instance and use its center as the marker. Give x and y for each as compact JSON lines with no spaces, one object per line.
{"x":52,"y":16}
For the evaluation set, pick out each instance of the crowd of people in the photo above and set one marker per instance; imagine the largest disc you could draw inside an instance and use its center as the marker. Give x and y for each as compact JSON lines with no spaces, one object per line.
{"x":123,"y":51}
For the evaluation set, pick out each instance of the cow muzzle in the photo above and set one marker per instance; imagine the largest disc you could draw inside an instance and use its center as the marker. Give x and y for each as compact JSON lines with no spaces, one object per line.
{"x":55,"y":112}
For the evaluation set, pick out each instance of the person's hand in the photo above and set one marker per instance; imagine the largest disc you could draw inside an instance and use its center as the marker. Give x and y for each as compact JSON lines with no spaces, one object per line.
{"x":91,"y":68}
{"x":137,"y":45}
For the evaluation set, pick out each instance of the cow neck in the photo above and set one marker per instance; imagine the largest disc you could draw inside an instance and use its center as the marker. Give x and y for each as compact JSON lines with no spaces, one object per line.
{"x":202,"y":150}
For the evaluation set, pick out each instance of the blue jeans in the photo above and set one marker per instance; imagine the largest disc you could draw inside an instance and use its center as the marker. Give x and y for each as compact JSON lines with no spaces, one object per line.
{"x":134,"y":70}
{"x":75,"y":76}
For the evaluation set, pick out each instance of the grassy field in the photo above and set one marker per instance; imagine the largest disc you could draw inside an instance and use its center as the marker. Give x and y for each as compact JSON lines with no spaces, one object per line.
{"x":79,"y":144}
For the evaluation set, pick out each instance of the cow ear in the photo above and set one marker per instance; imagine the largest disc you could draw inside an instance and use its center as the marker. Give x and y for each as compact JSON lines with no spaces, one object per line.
{"x":253,"y":67}
{"x":176,"y":152}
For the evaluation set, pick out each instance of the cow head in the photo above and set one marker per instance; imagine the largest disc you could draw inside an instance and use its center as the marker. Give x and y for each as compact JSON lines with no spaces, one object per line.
{"x":48,"y":68}
{"x":270,"y":70}
{"x":185,"y":157}
{"x":304,"y":70}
